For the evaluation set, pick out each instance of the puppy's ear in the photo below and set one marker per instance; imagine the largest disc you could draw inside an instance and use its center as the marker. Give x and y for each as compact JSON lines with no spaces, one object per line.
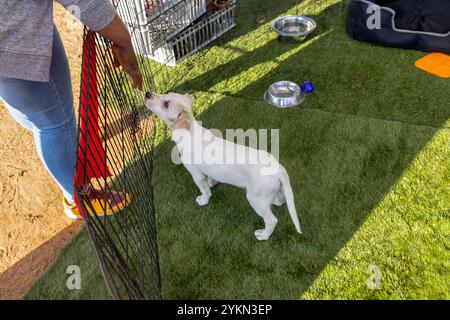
{"x":189,"y":102}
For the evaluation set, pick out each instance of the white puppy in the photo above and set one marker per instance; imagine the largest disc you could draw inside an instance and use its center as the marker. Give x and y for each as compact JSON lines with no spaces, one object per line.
{"x":213,"y":165}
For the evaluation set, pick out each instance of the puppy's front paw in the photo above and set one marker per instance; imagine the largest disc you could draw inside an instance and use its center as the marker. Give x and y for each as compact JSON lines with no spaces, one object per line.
{"x":262,"y":234}
{"x":202,"y":200}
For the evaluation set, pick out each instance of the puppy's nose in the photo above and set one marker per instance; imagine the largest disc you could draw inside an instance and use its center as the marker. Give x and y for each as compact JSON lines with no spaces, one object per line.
{"x":148,"y":95}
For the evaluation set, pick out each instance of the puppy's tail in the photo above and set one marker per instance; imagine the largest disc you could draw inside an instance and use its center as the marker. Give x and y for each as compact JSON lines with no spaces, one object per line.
{"x":289,"y":195}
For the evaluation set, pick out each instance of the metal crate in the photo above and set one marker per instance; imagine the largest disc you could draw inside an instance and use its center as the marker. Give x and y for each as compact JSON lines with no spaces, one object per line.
{"x":195,"y":37}
{"x":156,"y":21}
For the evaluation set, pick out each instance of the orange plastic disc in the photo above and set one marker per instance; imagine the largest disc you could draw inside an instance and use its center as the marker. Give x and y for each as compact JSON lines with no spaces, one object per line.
{"x":437,"y":64}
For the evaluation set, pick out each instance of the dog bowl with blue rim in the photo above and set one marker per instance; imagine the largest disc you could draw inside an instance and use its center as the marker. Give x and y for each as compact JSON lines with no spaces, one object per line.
{"x":287,"y":94}
{"x":284,"y":94}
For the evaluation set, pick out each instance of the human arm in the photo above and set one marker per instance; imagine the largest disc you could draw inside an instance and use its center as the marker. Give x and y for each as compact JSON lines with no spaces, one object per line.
{"x":100,"y":16}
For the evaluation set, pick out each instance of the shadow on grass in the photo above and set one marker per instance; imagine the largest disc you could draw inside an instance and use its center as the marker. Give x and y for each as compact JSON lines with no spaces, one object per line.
{"x":270,"y":51}
{"x":250,"y":16}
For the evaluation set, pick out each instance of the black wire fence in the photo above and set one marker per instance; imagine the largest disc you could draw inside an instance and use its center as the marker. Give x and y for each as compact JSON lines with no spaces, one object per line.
{"x":113,"y":180}
{"x":112,"y":174}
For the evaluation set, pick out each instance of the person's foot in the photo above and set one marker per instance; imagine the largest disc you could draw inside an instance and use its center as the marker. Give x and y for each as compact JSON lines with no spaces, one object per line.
{"x":99,"y":204}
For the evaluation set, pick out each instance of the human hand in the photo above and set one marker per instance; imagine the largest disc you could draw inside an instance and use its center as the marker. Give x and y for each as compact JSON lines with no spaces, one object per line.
{"x":125,"y":57}
{"x":122,"y":50}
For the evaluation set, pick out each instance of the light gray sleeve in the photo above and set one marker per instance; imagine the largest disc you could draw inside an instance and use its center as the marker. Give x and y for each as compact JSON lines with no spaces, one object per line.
{"x":96,"y":14}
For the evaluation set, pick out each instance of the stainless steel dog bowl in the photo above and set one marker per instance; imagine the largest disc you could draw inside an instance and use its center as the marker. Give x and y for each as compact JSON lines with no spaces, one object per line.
{"x":294,"y":27}
{"x":284,"y":94}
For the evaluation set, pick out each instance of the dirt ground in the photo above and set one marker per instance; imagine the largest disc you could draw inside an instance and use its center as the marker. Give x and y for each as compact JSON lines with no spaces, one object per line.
{"x":33,"y":226}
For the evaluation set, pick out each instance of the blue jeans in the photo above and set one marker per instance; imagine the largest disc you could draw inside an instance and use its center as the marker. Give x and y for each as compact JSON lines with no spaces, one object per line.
{"x":46,"y":108}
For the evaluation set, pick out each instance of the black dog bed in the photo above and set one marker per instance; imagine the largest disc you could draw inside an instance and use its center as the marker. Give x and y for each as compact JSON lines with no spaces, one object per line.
{"x":411,"y":24}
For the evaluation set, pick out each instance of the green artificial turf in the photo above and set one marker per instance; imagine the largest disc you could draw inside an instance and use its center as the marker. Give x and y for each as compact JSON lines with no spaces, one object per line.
{"x":368,"y":157}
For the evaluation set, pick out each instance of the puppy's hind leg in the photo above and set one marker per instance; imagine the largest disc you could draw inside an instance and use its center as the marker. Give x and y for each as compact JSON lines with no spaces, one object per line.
{"x":262,"y":207}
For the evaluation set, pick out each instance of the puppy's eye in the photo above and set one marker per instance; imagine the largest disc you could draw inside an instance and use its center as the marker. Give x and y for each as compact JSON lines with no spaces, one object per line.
{"x":166,"y":104}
